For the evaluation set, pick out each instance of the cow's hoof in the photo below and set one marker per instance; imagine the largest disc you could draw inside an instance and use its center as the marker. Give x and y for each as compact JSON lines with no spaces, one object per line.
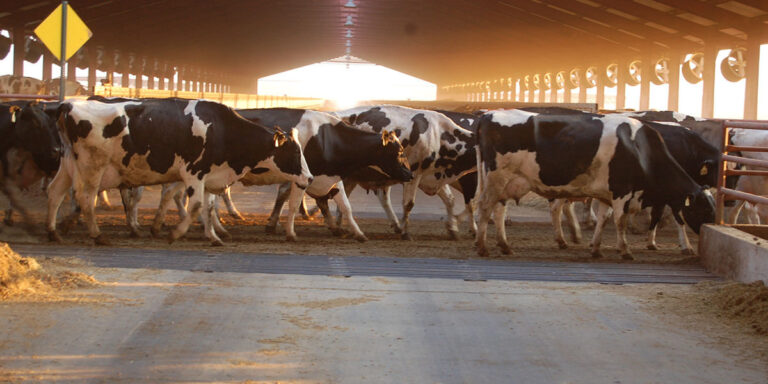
{"x":336,"y":231}
{"x":576,"y":239}
{"x":135,"y":234}
{"x":54,"y":237}
{"x":687,"y":251}
{"x":406,"y":236}
{"x":270,"y":230}
{"x":627,"y":256}
{"x":505,"y":249}
{"x":361,"y":238}
{"x":171,"y":238}
{"x":217,"y":243}
{"x":561,"y":244}
{"x":65,"y":226}
{"x":453,"y":235}
{"x":155,"y":232}
{"x":652,"y":247}
{"x":597,"y":254}
{"x":101,"y":240}
{"x":290,"y":238}
{"x":225,"y":235}
{"x":483,"y":252}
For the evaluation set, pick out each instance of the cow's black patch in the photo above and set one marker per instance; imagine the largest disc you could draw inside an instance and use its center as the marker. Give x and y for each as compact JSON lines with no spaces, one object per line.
{"x":420,"y":125}
{"x":495,"y":138}
{"x":374,"y":117}
{"x":438,"y":175}
{"x":78,"y":130}
{"x":459,"y":147}
{"x":285,"y":118}
{"x":564,"y":149}
{"x":427,"y":162}
{"x":447,"y":137}
{"x":190,"y":191}
{"x":114,"y":128}
{"x":259,"y":170}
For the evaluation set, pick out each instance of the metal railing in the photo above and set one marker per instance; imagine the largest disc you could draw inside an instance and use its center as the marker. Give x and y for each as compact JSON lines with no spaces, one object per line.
{"x":233,"y":100}
{"x":24,"y":96}
{"x":724,"y":193}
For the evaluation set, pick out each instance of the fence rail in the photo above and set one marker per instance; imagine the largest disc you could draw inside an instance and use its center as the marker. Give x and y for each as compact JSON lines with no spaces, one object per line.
{"x":234,"y":100}
{"x":23,"y":96}
{"x":724,"y":193}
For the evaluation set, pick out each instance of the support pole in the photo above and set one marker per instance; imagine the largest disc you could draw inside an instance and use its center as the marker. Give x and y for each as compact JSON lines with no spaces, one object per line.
{"x":567,"y":87}
{"x":621,"y":84}
{"x":752,"y":72}
{"x":600,"y":84}
{"x":18,"y":50}
{"x":91,"y":57}
{"x":708,"y":96}
{"x":673,"y":98}
{"x":583,"y":85}
{"x":63,"y":79}
{"x":645,"y":83}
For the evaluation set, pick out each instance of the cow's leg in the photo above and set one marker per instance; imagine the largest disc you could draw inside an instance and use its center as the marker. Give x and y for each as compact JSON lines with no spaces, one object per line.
{"x":85,"y":194}
{"x":386,"y":202}
{"x":656,"y":213}
{"x":218,"y":226}
{"x":102,"y":200}
{"x":182,"y":201}
{"x":231,"y":209}
{"x":733,"y":216}
{"x":12,"y":191}
{"x":346,"y":210}
{"x":588,"y":210}
{"x":168,"y":193}
{"x":620,"y":220}
{"x":451,"y":224}
{"x":208,"y":216}
{"x":752,"y":215}
{"x":485,"y":206}
{"x":409,"y":199}
{"x":330,"y":220}
{"x":8,"y":220}
{"x":573,"y":222}
{"x":283,"y":193}
{"x":499,"y":212}
{"x":57,"y":190}
{"x":293,"y":208}
{"x":556,"y":213}
{"x":130,"y":197}
{"x":195,"y":192}
{"x":603,"y":211}
{"x":685,"y":244}
{"x":469,"y":210}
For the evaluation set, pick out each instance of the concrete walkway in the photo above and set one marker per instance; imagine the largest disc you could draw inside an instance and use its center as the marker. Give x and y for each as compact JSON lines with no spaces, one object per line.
{"x":180,"y":326}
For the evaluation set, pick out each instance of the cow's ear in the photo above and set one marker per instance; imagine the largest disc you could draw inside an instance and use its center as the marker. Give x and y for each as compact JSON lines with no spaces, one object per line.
{"x":279,"y":138}
{"x":384,"y":137}
{"x":14,"y":109}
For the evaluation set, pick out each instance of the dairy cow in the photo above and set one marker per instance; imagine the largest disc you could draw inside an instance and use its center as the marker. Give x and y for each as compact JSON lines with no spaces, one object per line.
{"x":29,"y":150}
{"x":438,"y":150}
{"x":334,"y":151}
{"x":204,"y":144}
{"x":615,"y":159}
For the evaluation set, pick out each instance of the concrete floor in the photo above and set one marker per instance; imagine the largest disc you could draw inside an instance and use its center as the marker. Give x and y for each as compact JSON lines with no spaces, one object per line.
{"x":175,"y":326}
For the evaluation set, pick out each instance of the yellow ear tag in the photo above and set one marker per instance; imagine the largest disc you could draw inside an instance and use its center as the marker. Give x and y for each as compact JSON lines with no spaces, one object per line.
{"x":687,"y":201}
{"x":703,"y":171}
{"x":14,"y":109}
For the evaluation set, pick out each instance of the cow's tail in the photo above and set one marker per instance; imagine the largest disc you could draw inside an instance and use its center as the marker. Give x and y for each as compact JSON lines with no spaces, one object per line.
{"x":61,"y":122}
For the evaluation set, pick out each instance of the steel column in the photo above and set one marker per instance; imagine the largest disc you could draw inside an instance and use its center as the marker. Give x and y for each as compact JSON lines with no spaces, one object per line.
{"x":708,"y":95}
{"x":673,"y":98}
{"x":752,"y":72}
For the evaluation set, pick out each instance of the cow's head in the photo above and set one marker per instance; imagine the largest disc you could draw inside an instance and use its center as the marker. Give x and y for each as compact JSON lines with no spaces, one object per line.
{"x":393,"y":161}
{"x":699,"y":208}
{"x":289,"y":158}
{"x":36,"y":132}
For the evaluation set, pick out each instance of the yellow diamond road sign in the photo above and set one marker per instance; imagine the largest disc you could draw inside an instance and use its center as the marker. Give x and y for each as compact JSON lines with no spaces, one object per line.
{"x":49,"y":32}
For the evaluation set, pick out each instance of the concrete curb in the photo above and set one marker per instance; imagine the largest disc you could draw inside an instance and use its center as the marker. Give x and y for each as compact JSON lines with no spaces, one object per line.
{"x":737,"y":252}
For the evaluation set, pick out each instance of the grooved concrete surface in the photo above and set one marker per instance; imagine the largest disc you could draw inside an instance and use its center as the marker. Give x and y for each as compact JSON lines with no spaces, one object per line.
{"x":164,"y":326}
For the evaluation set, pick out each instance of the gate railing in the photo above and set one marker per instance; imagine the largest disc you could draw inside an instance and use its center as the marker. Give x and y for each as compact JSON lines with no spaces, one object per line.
{"x":724,"y":193}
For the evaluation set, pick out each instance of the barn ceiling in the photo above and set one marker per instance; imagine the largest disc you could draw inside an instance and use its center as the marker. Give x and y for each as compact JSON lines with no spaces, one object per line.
{"x":439,"y":41}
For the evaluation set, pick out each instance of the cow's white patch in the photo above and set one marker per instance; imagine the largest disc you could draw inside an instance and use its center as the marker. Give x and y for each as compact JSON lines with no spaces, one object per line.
{"x":511,"y":117}
{"x":199,"y":127}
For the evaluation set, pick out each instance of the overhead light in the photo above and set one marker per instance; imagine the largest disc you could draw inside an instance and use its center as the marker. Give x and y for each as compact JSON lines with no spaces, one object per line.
{"x":349,"y":21}
{"x":349,"y":34}
{"x":349,"y":51}
{"x":350,"y":4}
{"x":349,"y":44}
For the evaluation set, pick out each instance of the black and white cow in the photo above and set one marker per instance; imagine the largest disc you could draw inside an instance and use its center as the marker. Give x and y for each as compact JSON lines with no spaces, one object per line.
{"x":334,"y":151}
{"x":29,"y":150}
{"x":438,"y":150}
{"x":709,"y":129}
{"x":204,"y":144}
{"x":612,"y":158}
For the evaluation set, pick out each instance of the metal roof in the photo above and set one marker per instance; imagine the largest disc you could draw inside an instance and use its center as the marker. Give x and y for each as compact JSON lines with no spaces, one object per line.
{"x":439,"y":41}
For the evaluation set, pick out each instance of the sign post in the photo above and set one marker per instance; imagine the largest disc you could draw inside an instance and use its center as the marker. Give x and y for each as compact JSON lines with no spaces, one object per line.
{"x":63,"y":33}
{"x":63,"y":59}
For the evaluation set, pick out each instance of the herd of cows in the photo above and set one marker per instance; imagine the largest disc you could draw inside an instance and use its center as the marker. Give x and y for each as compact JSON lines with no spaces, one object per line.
{"x":197,"y":149}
